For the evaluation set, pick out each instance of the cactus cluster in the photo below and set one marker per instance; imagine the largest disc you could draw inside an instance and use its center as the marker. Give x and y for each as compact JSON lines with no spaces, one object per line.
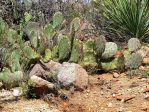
{"x":133,"y":44}
{"x":134,"y":61}
{"x":103,"y":49}
{"x":75,"y":53}
{"x":64,"y":48}
{"x":110,"y":50}
{"x":100,"y":44}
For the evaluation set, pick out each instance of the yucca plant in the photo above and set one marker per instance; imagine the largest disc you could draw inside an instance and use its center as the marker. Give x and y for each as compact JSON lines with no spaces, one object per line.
{"x":128,"y":17}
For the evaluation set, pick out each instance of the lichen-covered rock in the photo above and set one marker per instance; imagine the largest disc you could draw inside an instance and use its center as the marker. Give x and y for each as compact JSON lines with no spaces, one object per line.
{"x":133,"y":61}
{"x":133,"y":44}
{"x":71,"y":73}
{"x":110,"y":50}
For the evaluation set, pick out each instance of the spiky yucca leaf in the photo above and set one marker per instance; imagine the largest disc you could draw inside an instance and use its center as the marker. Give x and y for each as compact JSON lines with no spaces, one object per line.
{"x":130,"y":17}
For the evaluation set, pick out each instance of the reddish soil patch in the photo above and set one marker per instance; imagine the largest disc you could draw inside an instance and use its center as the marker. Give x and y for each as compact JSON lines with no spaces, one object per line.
{"x":104,"y":94}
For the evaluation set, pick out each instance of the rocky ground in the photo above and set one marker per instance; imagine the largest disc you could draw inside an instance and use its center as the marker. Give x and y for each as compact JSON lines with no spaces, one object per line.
{"x":106,"y":93}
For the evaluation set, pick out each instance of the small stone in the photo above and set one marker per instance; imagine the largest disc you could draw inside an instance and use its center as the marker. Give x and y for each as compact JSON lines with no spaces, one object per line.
{"x":17,"y":92}
{"x":124,"y":98}
{"x":39,"y":71}
{"x":147,"y":98}
{"x":134,"y":84}
{"x":144,"y":107}
{"x":39,"y":82}
{"x":120,"y":109}
{"x":146,"y":60}
{"x":110,"y":105}
{"x":146,"y":89}
{"x":115,"y":75}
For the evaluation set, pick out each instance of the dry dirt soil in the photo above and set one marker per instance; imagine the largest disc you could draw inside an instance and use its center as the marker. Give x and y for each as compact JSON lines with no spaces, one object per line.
{"x":104,"y":94}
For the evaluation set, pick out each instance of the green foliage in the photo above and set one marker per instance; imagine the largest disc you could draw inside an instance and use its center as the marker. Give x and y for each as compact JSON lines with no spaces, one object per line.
{"x":128,"y":17}
{"x":134,"y":44}
{"x":64,"y":48}
{"x":110,"y":50}
{"x":100,"y":44}
{"x":133,"y":61}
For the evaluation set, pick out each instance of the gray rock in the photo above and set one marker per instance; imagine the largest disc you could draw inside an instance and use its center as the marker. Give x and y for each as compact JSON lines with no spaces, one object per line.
{"x":38,"y":71}
{"x":39,"y":82}
{"x":53,"y":66}
{"x":71,"y":73}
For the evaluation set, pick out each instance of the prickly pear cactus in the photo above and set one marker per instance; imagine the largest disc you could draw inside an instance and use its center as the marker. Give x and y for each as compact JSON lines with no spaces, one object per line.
{"x":57,"y":19}
{"x":54,"y":52}
{"x":11,"y":79}
{"x":33,"y":39}
{"x":48,"y":31}
{"x":75,"y":23}
{"x":99,"y":46}
{"x":133,"y":61}
{"x":89,"y":59}
{"x":110,"y":50}
{"x":48,"y":55}
{"x":15,"y":61}
{"x":64,"y":48}
{"x":75,"y":53}
{"x":121,"y":63}
{"x":30,"y":53}
{"x":134,"y":44}
{"x":109,"y":65}
{"x":12,"y":36}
